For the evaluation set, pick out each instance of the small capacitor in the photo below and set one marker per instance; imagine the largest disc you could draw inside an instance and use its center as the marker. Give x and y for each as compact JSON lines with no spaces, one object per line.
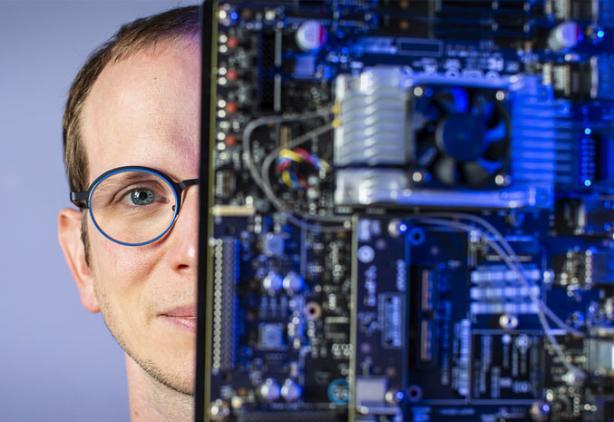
{"x":311,"y":35}
{"x":231,"y":107}
{"x":232,"y":75}
{"x":293,"y":283}
{"x":269,"y":391}
{"x":272,"y":283}
{"x":291,"y":391}
{"x":230,"y":140}
{"x":233,"y":42}
{"x":219,"y":411}
{"x":508,"y":322}
{"x":540,"y":411}
{"x":574,"y":377}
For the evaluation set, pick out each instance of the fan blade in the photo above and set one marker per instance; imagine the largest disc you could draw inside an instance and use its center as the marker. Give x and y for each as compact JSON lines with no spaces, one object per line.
{"x":428,"y":115}
{"x":427,"y":156}
{"x":487,"y":111}
{"x":475,"y":174}
{"x":453,"y":100}
{"x":444,"y":104}
{"x":490,"y":167}
{"x":460,"y":98}
{"x":419,"y":121}
{"x":422,"y":119}
{"x":496,"y":114}
{"x":446,"y":170}
{"x":496,"y":134}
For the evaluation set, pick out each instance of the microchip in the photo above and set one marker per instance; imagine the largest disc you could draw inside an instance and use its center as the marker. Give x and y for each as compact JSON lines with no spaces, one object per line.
{"x":600,"y":355}
{"x":271,"y":336}
{"x":390,"y":316}
{"x":273,"y":245}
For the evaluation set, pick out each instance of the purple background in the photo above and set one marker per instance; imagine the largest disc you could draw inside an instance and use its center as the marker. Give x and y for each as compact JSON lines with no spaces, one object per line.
{"x":57,"y":361}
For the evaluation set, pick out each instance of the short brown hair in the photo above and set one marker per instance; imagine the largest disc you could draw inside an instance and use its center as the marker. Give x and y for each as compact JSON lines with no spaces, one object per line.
{"x":130,"y":39}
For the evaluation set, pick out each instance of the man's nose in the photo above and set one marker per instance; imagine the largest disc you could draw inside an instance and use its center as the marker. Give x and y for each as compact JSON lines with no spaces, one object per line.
{"x":183,"y":239}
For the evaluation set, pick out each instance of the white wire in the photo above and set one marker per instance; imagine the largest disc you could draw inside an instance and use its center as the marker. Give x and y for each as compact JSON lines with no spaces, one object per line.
{"x":268,"y":120}
{"x":266,"y":165}
{"x":502,"y":248}
{"x":497,"y":248}
{"x":514,"y":258}
{"x":264,"y":183}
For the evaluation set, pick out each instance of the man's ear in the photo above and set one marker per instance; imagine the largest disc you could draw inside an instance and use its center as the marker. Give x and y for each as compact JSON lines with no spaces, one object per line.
{"x":69,"y":235}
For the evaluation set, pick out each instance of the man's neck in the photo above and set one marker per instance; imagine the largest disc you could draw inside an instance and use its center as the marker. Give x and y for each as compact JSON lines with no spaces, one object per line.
{"x":152,"y":401}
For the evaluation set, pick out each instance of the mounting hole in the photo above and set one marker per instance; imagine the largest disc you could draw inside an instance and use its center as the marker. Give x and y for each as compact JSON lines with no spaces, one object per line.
{"x":416,"y":236}
{"x":312,"y":311}
{"x":414,"y":393}
{"x":366,"y":254}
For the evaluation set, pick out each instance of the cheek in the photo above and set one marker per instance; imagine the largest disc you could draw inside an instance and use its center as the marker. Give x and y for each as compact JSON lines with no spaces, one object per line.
{"x":121,"y":274}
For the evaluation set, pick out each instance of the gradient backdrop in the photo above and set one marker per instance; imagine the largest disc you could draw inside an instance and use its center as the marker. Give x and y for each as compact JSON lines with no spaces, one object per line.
{"x":57,"y":361}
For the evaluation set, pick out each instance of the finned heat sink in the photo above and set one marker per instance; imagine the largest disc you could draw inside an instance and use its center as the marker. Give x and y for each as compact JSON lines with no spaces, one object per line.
{"x":443,"y":141}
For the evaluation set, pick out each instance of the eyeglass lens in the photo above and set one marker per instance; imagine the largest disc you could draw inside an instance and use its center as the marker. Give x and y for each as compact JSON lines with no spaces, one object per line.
{"x":133,"y":206}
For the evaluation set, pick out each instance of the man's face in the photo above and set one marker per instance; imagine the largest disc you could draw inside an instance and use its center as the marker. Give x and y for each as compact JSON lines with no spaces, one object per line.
{"x":144,"y":111}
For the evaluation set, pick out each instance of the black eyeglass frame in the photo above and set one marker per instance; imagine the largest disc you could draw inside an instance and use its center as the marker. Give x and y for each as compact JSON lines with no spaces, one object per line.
{"x":83,"y":199}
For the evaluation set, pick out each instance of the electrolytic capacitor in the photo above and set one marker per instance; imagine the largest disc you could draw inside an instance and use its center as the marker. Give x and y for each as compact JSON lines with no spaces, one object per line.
{"x":269,"y":390}
{"x":272,"y":283}
{"x":293,"y":283}
{"x":311,"y":35}
{"x":565,"y":35}
{"x":291,"y":391}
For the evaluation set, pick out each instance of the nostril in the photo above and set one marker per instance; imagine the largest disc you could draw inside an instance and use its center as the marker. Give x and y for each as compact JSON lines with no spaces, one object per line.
{"x":183,"y":267}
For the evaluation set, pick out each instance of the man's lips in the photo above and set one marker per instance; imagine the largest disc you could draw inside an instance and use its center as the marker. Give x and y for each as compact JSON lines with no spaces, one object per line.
{"x":182,"y":316}
{"x":185,"y":311}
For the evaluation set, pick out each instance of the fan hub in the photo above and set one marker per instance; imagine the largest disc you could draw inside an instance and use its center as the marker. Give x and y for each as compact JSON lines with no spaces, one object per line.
{"x":461,"y":136}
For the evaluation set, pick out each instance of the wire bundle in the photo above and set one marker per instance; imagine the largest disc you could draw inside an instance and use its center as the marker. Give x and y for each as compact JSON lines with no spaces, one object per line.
{"x":455,"y":220}
{"x":321,"y":223}
{"x":501,"y":246}
{"x":289,"y":163}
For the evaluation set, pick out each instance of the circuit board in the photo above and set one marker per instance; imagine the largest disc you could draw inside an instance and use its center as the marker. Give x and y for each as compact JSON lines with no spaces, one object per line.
{"x":410,"y":211}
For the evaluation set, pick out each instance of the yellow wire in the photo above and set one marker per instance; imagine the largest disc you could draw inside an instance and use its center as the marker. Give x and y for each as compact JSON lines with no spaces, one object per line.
{"x":291,"y":155}
{"x":285,"y":176}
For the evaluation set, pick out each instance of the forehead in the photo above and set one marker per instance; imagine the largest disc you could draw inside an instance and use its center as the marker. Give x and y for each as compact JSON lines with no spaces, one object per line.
{"x":144,"y":110}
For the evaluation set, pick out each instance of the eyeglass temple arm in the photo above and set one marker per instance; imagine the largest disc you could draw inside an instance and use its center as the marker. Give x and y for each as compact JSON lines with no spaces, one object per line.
{"x":186,"y":183}
{"x":79,"y":199}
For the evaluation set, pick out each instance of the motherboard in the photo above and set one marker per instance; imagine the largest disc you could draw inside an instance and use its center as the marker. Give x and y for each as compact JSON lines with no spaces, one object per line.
{"x":410,"y":210}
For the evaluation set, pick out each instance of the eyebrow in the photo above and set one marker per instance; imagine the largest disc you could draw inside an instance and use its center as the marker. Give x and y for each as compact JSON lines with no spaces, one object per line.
{"x":134,"y":177}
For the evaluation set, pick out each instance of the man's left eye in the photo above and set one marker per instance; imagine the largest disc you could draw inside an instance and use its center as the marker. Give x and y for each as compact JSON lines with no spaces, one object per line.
{"x":142,"y":196}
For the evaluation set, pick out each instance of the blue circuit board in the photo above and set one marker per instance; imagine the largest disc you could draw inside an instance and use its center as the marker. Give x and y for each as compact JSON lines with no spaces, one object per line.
{"x":412,"y":213}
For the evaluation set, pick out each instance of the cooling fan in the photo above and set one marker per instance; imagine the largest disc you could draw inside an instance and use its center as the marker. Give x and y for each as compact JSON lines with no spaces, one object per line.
{"x":461,"y":137}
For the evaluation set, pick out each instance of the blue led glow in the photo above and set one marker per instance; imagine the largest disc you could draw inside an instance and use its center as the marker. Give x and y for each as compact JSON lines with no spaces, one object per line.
{"x":600,"y":34}
{"x":587,"y":183}
{"x":402,"y":227}
{"x":588,"y":131}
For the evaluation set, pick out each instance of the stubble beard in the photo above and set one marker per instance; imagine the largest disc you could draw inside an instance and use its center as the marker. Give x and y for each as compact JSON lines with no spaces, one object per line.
{"x":171,"y":381}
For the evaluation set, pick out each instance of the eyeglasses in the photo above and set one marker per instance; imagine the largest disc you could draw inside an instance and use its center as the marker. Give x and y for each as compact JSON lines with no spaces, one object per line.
{"x":134,"y":205}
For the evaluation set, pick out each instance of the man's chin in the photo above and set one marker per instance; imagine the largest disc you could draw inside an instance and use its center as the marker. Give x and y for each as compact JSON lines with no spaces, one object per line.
{"x":177,"y":375}
{"x":169,"y":359}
